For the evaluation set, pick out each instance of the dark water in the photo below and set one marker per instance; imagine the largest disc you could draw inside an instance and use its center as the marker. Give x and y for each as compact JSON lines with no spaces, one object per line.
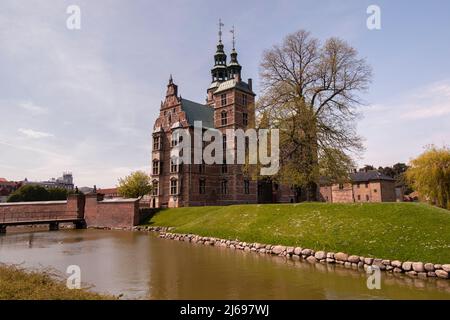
{"x":142,"y":266}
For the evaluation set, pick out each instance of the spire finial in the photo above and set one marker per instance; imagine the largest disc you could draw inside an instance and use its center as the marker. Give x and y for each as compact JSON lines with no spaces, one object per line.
{"x":171,"y":79}
{"x":220,"y":29}
{"x":233,"y":32}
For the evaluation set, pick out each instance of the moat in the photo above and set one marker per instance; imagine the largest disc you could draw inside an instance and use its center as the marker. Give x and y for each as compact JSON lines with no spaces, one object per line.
{"x":141,"y":266}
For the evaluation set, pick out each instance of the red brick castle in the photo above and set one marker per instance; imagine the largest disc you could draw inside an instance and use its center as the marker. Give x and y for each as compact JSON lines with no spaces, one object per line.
{"x":230,"y":104}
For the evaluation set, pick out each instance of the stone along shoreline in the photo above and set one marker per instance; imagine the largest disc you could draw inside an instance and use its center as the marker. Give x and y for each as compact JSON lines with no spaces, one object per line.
{"x":410,"y":268}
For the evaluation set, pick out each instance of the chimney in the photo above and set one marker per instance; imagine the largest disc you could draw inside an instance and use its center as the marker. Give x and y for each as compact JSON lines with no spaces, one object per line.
{"x":250,"y":84}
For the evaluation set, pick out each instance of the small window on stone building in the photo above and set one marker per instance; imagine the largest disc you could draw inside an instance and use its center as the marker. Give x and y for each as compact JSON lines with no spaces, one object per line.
{"x":367,"y":197}
{"x":224,"y":187}
{"x":173,"y":186}
{"x":358,"y":185}
{"x":245,"y":119}
{"x":223,"y":99}
{"x":156,"y":143}
{"x":202,"y":186}
{"x":341,"y":186}
{"x":244,"y":100}
{"x":375,"y":190}
{"x":155,"y":190}
{"x":367,"y":184}
{"x":174,"y":166}
{"x":223,"y":119}
{"x":224,"y":168}
{"x":156,"y":167}
{"x":246,"y":186}
{"x":359,"y":197}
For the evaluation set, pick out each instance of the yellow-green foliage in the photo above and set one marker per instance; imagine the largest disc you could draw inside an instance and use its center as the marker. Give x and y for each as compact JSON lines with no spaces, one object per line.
{"x":18,"y":284}
{"x":135,"y":185}
{"x":430,"y":176}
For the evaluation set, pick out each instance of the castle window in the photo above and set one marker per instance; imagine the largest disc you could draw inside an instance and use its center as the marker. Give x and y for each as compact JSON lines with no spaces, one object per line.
{"x":358,"y":185}
{"x":367,"y":197}
{"x":224,"y":187}
{"x":367,"y":184}
{"x":156,"y":143}
{"x":173,"y":186}
{"x":156,"y":167}
{"x":202,"y":186}
{"x":246,"y":186}
{"x":244,"y":100}
{"x":223,"y":99}
{"x":155,"y":190}
{"x":341,"y":186}
{"x":359,"y":197}
{"x":201,"y":168}
{"x":174,"y":166}
{"x":224,"y":118}
{"x":375,"y":190}
{"x":245,"y":119}
{"x":224,"y":168}
{"x":175,"y":138}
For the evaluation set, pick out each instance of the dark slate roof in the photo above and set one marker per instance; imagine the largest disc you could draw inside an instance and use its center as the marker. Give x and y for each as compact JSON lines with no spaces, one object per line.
{"x":364,"y":176}
{"x":198,"y":112}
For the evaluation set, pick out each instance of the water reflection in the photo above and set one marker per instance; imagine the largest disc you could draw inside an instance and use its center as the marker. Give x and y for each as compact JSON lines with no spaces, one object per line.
{"x":140,"y":265}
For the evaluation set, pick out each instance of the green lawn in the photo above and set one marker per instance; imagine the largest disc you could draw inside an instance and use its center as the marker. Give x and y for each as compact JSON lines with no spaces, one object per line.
{"x":19,"y":284}
{"x":405,"y":231}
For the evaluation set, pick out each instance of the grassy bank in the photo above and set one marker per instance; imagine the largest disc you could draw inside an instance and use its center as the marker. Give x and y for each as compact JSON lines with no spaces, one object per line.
{"x":18,"y":284}
{"x":406,"y":231}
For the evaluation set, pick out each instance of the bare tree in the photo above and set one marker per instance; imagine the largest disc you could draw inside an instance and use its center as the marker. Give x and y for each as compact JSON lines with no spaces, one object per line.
{"x":312,"y":92}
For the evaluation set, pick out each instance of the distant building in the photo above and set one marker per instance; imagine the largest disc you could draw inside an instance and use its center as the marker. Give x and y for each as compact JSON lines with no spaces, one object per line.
{"x":7,"y":187}
{"x":363,"y":186}
{"x":109,"y":193}
{"x":65,"y":182}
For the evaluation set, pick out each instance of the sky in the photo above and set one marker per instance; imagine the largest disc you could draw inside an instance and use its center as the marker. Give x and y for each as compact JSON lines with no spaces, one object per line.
{"x":85,"y":100}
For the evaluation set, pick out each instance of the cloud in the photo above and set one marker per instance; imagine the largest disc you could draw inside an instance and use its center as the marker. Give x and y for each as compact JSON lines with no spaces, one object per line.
{"x":30,"y":133}
{"x":31,"y":107}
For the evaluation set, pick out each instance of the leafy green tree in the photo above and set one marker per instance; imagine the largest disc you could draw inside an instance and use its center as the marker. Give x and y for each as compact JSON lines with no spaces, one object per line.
{"x":29,"y":193}
{"x":136,"y":185}
{"x":311,"y":92}
{"x":429,"y":174}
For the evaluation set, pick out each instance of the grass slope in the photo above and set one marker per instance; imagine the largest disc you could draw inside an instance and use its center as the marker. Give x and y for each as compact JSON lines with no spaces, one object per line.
{"x":405,"y":231}
{"x":18,"y":284}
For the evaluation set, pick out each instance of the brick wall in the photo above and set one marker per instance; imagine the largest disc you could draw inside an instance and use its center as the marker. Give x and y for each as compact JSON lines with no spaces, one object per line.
{"x":115,"y":213}
{"x":43,"y":210}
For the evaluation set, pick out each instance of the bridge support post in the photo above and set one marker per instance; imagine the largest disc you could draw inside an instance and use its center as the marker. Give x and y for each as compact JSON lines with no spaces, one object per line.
{"x":54,"y":226}
{"x":80,"y":224}
{"x":2,"y":229}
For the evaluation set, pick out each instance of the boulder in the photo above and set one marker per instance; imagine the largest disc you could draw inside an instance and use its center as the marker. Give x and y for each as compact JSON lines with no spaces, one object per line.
{"x":340,"y":256}
{"x":396,"y":264}
{"x":386,"y":262}
{"x":290,"y":250}
{"x":407,"y":266}
{"x":330,"y":255}
{"x":311,"y":259}
{"x":306,"y":252}
{"x":320,"y":255}
{"x":278,"y":249}
{"x":429,"y":267}
{"x":368,"y":261}
{"x":298,"y":251}
{"x":441,"y":274}
{"x":446,"y":267}
{"x":353,"y":259}
{"x":330,"y":260}
{"x":418,"y":267}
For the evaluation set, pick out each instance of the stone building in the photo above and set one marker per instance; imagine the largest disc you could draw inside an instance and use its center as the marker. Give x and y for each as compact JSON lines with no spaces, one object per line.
{"x":230,"y":104}
{"x":363,"y":186}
